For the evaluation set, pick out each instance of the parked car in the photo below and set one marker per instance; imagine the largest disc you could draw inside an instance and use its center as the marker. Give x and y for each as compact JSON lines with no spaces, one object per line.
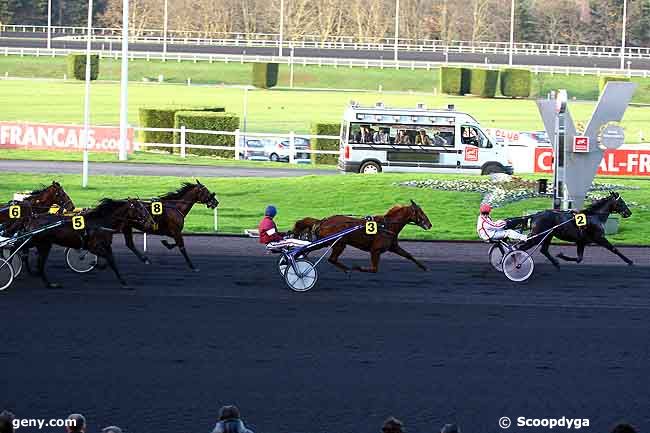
{"x":254,"y":150}
{"x":278,"y":150}
{"x":535,"y":138}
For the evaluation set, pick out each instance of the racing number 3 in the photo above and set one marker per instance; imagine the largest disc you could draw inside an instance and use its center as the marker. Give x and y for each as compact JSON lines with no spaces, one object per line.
{"x":371,"y":227}
{"x":78,"y":222}
{"x":14,"y":212}
{"x":581,"y":220}
{"x":156,"y":208}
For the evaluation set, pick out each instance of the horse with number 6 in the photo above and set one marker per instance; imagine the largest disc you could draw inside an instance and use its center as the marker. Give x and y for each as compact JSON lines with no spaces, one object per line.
{"x":588,"y":226}
{"x":37,"y":202}
{"x":378,"y":238}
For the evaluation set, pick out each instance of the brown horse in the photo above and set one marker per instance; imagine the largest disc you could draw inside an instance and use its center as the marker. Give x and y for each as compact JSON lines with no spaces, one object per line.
{"x":175,"y":207}
{"x":38,"y":202}
{"x":389,"y":227}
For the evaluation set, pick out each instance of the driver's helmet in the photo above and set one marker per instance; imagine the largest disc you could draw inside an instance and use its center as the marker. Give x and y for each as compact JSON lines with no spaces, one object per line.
{"x":485,"y":208}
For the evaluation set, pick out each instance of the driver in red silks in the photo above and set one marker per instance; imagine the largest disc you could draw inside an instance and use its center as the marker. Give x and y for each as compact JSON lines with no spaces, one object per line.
{"x":271,"y":237}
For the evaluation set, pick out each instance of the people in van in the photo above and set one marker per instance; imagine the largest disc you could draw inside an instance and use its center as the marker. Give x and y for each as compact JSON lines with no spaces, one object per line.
{"x":469,"y":135}
{"x":422,"y":138}
{"x":402,"y":137}
{"x":382,"y":136}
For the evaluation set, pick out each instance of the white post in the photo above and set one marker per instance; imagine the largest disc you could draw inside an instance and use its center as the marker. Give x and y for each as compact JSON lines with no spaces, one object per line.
{"x":623,"y":34}
{"x":165,"y":32}
{"x":49,"y":24}
{"x":237,"y":147}
{"x":291,"y":69}
{"x":281,"y":27}
{"x":396,"y":28}
{"x":124,"y":83}
{"x":292,"y":148}
{"x":216,"y":220}
{"x":144,"y":242}
{"x":86,"y":131}
{"x":183,"y":141}
{"x":245,"y":111}
{"x":512,"y":32}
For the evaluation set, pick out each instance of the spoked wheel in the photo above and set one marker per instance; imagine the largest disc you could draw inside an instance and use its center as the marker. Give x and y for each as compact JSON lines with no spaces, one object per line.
{"x":6,"y":274}
{"x":16,"y":261}
{"x":282,"y":265}
{"x":80,"y":261}
{"x":303,"y":277}
{"x":496,"y":253}
{"x":518,"y":265}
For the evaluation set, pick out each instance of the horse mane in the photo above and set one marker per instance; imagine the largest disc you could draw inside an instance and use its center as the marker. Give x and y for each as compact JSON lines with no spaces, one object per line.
{"x":105,"y":207}
{"x":596,"y":204}
{"x":395,"y":209}
{"x":180,"y":192}
{"x":39,"y":191}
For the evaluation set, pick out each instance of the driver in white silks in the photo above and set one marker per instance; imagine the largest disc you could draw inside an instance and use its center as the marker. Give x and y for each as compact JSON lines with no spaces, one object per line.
{"x":271,"y":237}
{"x":490,"y":230}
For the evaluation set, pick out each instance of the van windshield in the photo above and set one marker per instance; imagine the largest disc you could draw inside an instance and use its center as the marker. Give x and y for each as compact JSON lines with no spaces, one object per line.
{"x":434,"y":136}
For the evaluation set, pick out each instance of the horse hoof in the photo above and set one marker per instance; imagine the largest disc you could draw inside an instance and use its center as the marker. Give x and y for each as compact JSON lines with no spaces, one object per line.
{"x":630,"y":263}
{"x":54,"y":286}
{"x":196,"y":270}
{"x":146,"y":261}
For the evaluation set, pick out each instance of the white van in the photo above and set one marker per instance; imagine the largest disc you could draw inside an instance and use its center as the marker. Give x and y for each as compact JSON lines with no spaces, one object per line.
{"x":375,"y":139}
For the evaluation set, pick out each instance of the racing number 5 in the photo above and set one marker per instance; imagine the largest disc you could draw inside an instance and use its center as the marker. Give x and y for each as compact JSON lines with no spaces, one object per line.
{"x":156,"y":208}
{"x":371,"y":227}
{"x":78,"y":222}
{"x":581,"y":220}
{"x":14,"y":212}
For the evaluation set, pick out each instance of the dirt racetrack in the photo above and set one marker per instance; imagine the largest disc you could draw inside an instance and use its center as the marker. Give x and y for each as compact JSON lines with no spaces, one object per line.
{"x":458,"y":343}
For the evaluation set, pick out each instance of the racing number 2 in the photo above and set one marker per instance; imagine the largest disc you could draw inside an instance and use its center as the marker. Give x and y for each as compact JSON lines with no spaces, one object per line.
{"x":371,"y":227}
{"x":581,"y":220}
{"x":156,"y":208}
{"x":14,"y":212}
{"x":78,"y":222}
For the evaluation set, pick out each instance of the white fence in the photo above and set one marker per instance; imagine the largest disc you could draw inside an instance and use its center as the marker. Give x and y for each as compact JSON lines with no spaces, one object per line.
{"x":109,"y":52}
{"x":341,"y":42}
{"x":239,"y":149}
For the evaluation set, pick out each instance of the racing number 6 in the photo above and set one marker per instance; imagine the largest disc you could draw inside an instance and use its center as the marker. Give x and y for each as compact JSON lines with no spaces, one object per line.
{"x":78,"y":222}
{"x":14,"y":212}
{"x":156,"y":208}
{"x":371,"y":227}
{"x":581,"y":220}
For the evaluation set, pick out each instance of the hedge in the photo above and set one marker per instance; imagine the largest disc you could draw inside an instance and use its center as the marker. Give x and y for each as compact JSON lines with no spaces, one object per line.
{"x":516,"y":83}
{"x":211,"y":121}
{"x":605,"y":78}
{"x":483,"y":82}
{"x":454,"y":81}
{"x":77,"y":66}
{"x":265,"y":75}
{"x":324,"y":143}
{"x":163,"y":117}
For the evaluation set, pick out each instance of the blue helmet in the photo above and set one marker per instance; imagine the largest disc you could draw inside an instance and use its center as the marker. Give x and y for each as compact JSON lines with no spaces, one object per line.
{"x":270,"y":211}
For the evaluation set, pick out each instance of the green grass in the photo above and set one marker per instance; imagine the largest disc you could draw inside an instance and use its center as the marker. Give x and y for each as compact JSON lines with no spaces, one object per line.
{"x":242,"y":201}
{"x":148,"y":158}
{"x":268,"y":110}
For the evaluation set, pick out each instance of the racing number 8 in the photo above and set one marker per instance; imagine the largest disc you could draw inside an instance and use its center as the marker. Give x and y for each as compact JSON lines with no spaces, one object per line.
{"x":78,"y":222}
{"x":156,"y":208}
{"x":371,"y":227}
{"x":581,"y":220}
{"x":14,"y":212}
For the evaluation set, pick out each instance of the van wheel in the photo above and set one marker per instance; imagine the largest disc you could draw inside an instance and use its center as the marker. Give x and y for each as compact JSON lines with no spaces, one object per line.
{"x":274,"y":157}
{"x":492,"y":168}
{"x":370,"y":167}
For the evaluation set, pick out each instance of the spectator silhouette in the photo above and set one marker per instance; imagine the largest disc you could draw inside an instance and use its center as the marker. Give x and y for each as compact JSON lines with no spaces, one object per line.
{"x":624,"y":428}
{"x":392,"y":425}
{"x":450,"y":428}
{"x":6,"y":422}
{"x":79,"y":424}
{"x":230,"y":421}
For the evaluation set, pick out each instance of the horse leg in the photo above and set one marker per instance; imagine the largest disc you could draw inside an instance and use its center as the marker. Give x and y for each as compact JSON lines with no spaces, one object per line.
{"x":374,"y":263}
{"x":581,"y":251}
{"x":402,"y":252}
{"x":43,"y":253}
{"x":128,"y":238}
{"x":168,"y":245}
{"x":603,"y":242}
{"x":180,"y":243}
{"x":337,"y":250}
{"x":544,"y":250}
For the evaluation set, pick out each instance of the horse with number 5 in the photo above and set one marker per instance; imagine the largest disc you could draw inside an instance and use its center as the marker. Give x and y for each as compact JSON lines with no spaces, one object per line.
{"x":169,"y":212}
{"x":378,"y":238}
{"x":588,"y":226}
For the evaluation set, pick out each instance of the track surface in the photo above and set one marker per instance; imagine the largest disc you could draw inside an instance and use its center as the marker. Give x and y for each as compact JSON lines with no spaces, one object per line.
{"x":134,"y":169}
{"x":39,"y":40}
{"x":458,"y":343}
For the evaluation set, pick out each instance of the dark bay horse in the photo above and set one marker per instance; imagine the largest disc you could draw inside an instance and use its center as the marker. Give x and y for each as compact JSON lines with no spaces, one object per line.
{"x":593,"y":232}
{"x":175,"y":207}
{"x":386,"y":238}
{"x":38,"y":202}
{"x":100,"y":223}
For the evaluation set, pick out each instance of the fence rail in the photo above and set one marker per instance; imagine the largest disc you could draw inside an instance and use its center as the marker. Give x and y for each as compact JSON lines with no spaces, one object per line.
{"x":238,"y":149}
{"x":109,"y":52}
{"x":340,"y":42}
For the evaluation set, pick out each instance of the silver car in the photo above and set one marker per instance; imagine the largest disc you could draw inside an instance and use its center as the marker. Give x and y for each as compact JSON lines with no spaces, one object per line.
{"x":253,"y":150}
{"x":277,"y":149}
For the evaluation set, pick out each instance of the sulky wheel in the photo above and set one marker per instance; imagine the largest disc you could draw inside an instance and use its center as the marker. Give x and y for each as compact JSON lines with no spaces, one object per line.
{"x":16,"y":261}
{"x":301,"y":278}
{"x":518,"y":265}
{"x":6,"y":274}
{"x":496,"y":253}
{"x":80,"y":261}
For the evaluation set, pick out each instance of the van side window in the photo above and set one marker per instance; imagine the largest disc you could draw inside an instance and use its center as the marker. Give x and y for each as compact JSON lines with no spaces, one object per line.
{"x":473,"y":136}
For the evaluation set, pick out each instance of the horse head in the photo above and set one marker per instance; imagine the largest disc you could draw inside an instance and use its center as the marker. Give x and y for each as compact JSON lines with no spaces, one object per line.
{"x":619,"y":206}
{"x":137,"y":212}
{"x":53,"y":194}
{"x":206,"y":197}
{"x":419,"y":217}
